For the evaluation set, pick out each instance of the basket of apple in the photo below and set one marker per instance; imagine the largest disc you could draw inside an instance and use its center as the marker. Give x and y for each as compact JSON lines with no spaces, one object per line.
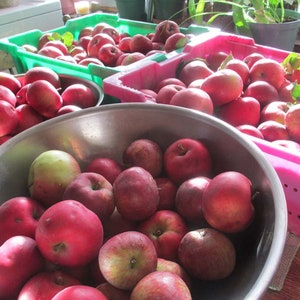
{"x":41,"y":94}
{"x":138,"y":201}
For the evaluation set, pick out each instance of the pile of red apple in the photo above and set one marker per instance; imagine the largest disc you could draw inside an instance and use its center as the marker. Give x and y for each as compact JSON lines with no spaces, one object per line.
{"x":149,"y":227}
{"x":105,"y":45}
{"x":38,"y":95}
{"x":258,"y":95}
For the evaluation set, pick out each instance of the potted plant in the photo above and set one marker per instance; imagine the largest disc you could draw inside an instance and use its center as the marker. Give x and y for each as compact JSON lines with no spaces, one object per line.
{"x":269,"y":22}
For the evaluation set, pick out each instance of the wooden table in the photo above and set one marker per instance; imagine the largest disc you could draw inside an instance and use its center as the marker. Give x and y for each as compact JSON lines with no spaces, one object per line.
{"x":291,"y":288}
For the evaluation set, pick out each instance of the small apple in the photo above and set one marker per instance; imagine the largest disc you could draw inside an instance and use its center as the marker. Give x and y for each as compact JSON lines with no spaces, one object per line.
{"x":227,"y":202}
{"x":136,"y":194}
{"x":207,"y":254}
{"x":50,"y":51}
{"x":90,"y":60}
{"x":124,"y":44}
{"x":186,"y":158}
{"x":49,"y":174}
{"x":275,"y":110}
{"x":250,"y":130}
{"x":176,"y":41}
{"x":164,"y":29}
{"x":109,"y":54}
{"x":67,"y":109}
{"x":144,"y":153}
{"x":126,"y":258}
{"x":19,"y":216}
{"x":97,"y":41}
{"x":10,"y":81}
{"x":130,"y":58}
{"x":167,"y":81}
{"x":113,"y":32}
{"x":214,"y":59}
{"x":161,"y":285}
{"x":188,"y":201}
{"x":165,"y":228}
{"x":69,"y":234}
{"x":94,"y":191}
{"x":59,"y":45}
{"x":7,"y":95}
{"x":240,"y":67}
{"x":167,"y":193}
{"x":165,"y":93}
{"x":250,"y":59}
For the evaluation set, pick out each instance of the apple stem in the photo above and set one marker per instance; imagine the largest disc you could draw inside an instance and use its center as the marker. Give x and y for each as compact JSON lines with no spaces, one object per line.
{"x":59,"y":247}
{"x":255,"y":195}
{"x":182,"y":149}
{"x":132,"y":263}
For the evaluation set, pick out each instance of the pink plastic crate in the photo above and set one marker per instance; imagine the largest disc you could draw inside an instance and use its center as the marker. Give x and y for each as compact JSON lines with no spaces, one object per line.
{"x":125,"y":86}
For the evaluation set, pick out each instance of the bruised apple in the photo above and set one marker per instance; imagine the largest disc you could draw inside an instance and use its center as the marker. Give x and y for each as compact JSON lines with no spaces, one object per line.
{"x":69,"y":234}
{"x":186,"y":158}
{"x":126,"y":258}
{"x":165,"y":228}
{"x":135,"y":193}
{"x":19,"y":216}
{"x":161,"y":285}
{"x":94,"y":191}
{"x":227,"y":202}
{"x":49,"y":174}
{"x":144,"y":153}
{"x":207,"y":254}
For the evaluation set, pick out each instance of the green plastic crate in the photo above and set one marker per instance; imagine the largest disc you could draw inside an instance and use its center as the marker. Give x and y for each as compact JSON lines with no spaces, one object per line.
{"x":24,"y":60}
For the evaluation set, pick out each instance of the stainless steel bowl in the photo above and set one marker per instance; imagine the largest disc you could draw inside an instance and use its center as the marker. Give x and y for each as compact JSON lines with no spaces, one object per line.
{"x":107,"y":130}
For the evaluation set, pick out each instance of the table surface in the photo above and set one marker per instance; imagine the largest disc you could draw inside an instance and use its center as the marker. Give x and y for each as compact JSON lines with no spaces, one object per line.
{"x":291,"y":288}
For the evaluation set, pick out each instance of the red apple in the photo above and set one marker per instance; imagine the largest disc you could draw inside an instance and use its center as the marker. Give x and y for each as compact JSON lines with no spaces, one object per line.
{"x":27,"y":117}
{"x":97,"y":28}
{"x":166,"y":93}
{"x":176,"y":41}
{"x":8,"y":118}
{"x":250,"y":59}
{"x":44,"y":98}
{"x":109,"y":54}
{"x":45,"y":73}
{"x":269,"y":70}
{"x":19,"y":216}
{"x":285,"y":91}
{"x":126,"y":258}
{"x":173,"y":267}
{"x":167,"y":193}
{"x":188,"y":201}
{"x":250,"y":130}
{"x":97,"y":42}
{"x":207,"y":254}
{"x":135,"y":193}
{"x":214,"y":59}
{"x":94,"y":191}
{"x":67,"y":58}
{"x":78,"y":50}
{"x":84,"y":41}
{"x":161,"y":285}
{"x":112,"y":292}
{"x":7,"y":95}
{"x":113,"y":32}
{"x":91,"y":60}
{"x":193,"y":70}
{"x":21,"y":95}
{"x":69,"y":234}
{"x":167,"y":81}
{"x":243,"y":110}
{"x":130,"y":58}
{"x":292,"y":122}
{"x":59,"y":45}
{"x":227,"y":202}
{"x":124,"y":44}
{"x":164,"y":29}
{"x":275,"y":110}
{"x":67,"y":109}
{"x":79,"y":292}
{"x":46,"y":285}
{"x":240,"y":67}
{"x":19,"y":260}
{"x":223,"y":86}
{"x":263,"y":91}
{"x":144,"y":153}
{"x":49,"y":174}
{"x":186,"y":158}
{"x":10,"y":81}
{"x":50,"y":51}
{"x":193,"y":98}
{"x":165,"y":228}
{"x":80,"y":95}
{"x":272,"y":130}
{"x":86,"y":31}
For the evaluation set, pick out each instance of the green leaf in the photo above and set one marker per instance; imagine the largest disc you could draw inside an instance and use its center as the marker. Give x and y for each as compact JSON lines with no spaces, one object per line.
{"x":296,"y":91}
{"x":68,"y":39}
